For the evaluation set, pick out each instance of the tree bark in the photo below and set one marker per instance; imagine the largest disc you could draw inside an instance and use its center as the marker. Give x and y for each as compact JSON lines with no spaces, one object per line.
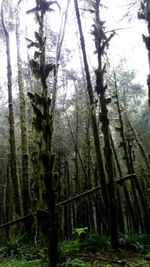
{"x":23,"y":121}
{"x":12,"y":140}
{"x":101,"y":42}
{"x":100,"y":166}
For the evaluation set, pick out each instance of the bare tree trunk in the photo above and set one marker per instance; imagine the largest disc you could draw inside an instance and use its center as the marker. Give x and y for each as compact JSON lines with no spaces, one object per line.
{"x":58,"y":54}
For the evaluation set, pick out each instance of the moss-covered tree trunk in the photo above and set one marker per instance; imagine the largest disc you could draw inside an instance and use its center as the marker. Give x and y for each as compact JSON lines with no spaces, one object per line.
{"x":100,"y":165}
{"x":23,"y":122}
{"x":43,"y":123}
{"x":101,"y":43}
{"x":12,"y":140}
{"x":144,"y":14}
{"x":121,"y":129}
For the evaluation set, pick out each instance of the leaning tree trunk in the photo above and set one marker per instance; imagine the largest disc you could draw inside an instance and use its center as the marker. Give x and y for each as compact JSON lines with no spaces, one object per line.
{"x":121,"y":129}
{"x":100,"y":165}
{"x":13,"y":155}
{"x":23,"y":121}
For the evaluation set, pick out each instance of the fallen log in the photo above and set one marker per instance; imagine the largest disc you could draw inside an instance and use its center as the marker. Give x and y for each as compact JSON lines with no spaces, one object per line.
{"x":69,"y":200}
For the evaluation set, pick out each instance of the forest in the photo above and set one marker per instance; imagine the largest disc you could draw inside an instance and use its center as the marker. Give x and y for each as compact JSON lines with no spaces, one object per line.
{"x":74,"y":134}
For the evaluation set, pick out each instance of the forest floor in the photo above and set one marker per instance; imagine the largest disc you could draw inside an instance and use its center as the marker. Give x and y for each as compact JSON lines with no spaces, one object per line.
{"x":98,"y":259}
{"x":111,"y":259}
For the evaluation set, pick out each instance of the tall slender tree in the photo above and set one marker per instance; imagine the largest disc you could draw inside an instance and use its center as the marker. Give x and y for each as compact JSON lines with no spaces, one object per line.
{"x":144,"y":14}
{"x":23,"y":122}
{"x":101,"y":43}
{"x":12,"y":140}
{"x":43,"y":123}
{"x":100,"y":165}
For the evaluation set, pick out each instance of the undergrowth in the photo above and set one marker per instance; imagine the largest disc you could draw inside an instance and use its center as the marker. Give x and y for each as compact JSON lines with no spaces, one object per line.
{"x":17,"y":253}
{"x":91,"y":241}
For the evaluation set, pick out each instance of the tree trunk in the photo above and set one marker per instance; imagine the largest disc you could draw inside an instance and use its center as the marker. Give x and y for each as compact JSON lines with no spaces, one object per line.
{"x":144,"y":14}
{"x":23,"y":121}
{"x":44,"y":125}
{"x":100,"y":166}
{"x":101,"y":42}
{"x":122,"y":130}
{"x":12,"y":140}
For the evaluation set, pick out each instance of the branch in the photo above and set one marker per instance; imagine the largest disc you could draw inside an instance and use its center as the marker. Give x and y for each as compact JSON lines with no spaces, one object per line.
{"x":127,"y":177}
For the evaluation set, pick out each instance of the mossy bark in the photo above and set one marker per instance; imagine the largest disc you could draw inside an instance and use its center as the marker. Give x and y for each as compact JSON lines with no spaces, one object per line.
{"x":99,"y":159}
{"x":23,"y":121}
{"x":12,"y":140}
{"x":43,"y":123}
{"x":144,"y":14}
{"x":122,"y":129}
{"x":101,"y":42}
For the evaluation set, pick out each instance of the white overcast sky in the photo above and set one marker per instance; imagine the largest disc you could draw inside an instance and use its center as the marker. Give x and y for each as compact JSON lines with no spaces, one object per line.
{"x":127,"y":43}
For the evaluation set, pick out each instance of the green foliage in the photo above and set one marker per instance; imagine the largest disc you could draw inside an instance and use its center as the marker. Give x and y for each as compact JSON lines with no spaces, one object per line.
{"x":16,"y":247}
{"x":48,"y":69}
{"x":40,"y":40}
{"x":95,"y":241}
{"x":43,"y":6}
{"x":135,"y":242}
{"x":80,"y":231}
{"x":85,"y":242}
{"x":70,"y":246}
{"x":35,"y":68}
{"x":23,"y":263}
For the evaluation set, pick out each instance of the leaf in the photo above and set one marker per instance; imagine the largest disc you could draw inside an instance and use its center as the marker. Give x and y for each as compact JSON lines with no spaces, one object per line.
{"x":39,"y":100}
{"x":141,"y":15}
{"x":48,"y":69}
{"x":34,"y":64}
{"x":81,"y":230}
{"x":31,"y":96}
{"x":33,"y":44}
{"x":37,"y":112}
{"x":37,"y":36}
{"x":35,"y":68}
{"x":37,"y":54}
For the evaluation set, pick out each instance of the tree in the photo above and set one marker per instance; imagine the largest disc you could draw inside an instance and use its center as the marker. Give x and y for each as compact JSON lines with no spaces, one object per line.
{"x":23,"y":121}
{"x":13,"y":156}
{"x":43,"y":123}
{"x":100,"y":165}
{"x":144,"y":14}
{"x":101,"y":43}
